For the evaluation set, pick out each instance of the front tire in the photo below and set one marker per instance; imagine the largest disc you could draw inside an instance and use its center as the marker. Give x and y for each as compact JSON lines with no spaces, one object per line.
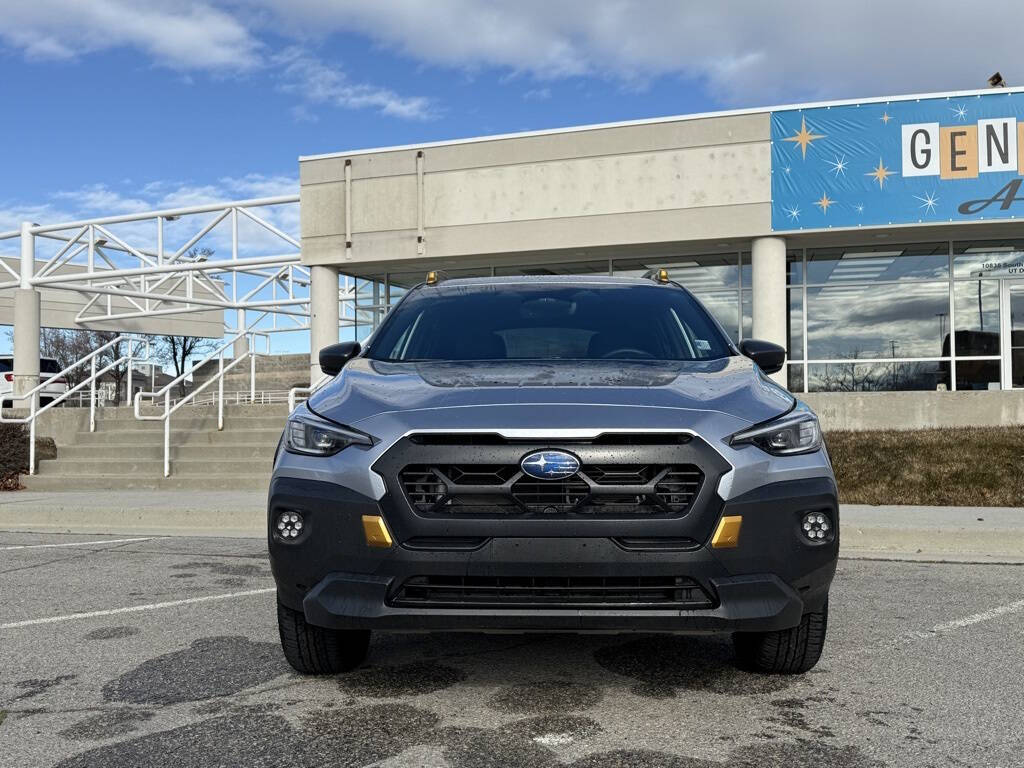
{"x":315,"y":650}
{"x":787,"y":651}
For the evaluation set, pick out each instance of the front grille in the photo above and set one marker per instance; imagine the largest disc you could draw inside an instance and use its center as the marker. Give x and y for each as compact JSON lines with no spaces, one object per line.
{"x":596,"y":592}
{"x":631,"y":490}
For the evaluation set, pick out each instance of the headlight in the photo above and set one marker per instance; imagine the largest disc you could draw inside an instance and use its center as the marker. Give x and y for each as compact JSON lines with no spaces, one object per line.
{"x":796,"y":432}
{"x":315,"y":437}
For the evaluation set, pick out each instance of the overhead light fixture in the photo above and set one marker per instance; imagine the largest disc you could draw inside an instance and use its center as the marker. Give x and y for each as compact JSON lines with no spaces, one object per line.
{"x":99,"y":241}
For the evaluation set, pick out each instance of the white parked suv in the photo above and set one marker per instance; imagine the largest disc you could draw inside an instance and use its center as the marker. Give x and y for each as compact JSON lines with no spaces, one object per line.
{"x":47,"y":367}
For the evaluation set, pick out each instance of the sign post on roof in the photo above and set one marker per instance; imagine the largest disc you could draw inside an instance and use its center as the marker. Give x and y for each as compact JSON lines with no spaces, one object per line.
{"x":933,"y":160}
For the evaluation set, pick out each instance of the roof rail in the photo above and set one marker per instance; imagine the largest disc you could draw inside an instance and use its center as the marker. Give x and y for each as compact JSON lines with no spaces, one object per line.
{"x":658,"y":275}
{"x":436,"y":276}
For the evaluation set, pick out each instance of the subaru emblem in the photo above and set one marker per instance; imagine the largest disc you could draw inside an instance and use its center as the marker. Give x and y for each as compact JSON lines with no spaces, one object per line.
{"x":549,"y":465}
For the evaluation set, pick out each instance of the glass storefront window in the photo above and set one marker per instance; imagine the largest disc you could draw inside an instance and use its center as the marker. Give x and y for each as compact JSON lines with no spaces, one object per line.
{"x":875,"y":321}
{"x":876,"y":377}
{"x":748,"y":314}
{"x":976,"y":304}
{"x":796,"y":325}
{"x":834,"y":266}
{"x":705,"y":273}
{"x":977,"y":374}
{"x":795,"y":378}
{"x":992,"y":258}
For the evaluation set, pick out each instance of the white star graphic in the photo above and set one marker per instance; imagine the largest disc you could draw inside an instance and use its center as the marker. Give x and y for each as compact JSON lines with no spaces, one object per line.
{"x":838,"y":166}
{"x":859,"y":207}
{"x":793,"y":213}
{"x":787,"y":169}
{"x":928,"y":202}
{"x":960,"y":111}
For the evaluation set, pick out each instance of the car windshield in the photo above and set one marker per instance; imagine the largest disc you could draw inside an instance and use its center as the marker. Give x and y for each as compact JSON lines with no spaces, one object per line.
{"x":549,"y":321}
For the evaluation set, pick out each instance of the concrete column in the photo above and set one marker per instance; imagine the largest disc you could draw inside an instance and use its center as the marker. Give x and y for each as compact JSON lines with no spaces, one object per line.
{"x":241,"y":345}
{"x":26,"y":321}
{"x":768,"y":284}
{"x":323,"y":315}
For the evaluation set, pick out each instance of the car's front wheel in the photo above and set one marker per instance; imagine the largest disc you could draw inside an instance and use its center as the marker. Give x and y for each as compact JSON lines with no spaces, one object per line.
{"x":786,"y":651}
{"x":315,"y":650}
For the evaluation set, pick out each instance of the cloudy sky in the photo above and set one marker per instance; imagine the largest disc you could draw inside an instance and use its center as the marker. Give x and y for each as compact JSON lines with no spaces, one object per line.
{"x":118,"y":105}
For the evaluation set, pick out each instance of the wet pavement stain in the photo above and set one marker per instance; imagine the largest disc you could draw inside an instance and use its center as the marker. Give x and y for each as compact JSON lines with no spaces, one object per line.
{"x":641,"y":758}
{"x":789,"y":713}
{"x":663,"y":664}
{"x":37,"y":686}
{"x":800,"y":754}
{"x":358,"y":737}
{"x":210,"y":667}
{"x":362,"y":735}
{"x":404,"y":680}
{"x":485,"y":748}
{"x":260,"y":742}
{"x":546,"y":696}
{"x":105,"y":725}
{"x":112,"y":633}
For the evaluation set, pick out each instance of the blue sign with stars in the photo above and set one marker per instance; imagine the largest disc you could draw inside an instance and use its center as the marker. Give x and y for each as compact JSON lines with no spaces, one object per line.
{"x":900,"y":162}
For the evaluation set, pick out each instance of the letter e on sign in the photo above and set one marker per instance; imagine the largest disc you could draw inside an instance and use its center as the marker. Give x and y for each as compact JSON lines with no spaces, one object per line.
{"x":921,"y":149}
{"x":997,"y":145}
{"x":958,"y":151}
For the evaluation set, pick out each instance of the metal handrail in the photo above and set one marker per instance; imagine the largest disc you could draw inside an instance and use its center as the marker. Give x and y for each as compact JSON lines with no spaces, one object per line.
{"x":222,"y":369}
{"x":243,"y":397}
{"x":130,"y":357}
{"x":304,"y":392}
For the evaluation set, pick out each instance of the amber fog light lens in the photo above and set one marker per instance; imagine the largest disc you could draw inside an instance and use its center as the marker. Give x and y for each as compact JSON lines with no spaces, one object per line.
{"x":288,"y":526}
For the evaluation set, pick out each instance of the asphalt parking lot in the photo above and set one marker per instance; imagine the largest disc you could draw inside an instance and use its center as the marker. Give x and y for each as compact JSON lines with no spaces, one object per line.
{"x":923,"y":668}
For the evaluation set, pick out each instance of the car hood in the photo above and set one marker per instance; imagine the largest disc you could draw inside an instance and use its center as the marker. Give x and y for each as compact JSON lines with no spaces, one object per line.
{"x":550,"y":394}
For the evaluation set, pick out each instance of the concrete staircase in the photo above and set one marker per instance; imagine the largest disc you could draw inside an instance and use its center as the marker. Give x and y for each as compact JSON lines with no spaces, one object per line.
{"x":124,"y":453}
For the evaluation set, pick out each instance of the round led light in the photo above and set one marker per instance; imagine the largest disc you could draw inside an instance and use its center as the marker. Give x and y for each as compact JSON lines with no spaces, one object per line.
{"x":807,"y":526}
{"x":297,"y":525}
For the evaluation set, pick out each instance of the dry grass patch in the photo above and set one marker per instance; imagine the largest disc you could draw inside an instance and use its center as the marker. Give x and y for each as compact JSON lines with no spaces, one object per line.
{"x":981,"y":466}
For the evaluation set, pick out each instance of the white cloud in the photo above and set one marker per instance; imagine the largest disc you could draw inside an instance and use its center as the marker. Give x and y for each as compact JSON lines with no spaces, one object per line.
{"x":188,"y":36}
{"x":747,"y":53}
{"x":182,"y":35}
{"x":315,"y":82}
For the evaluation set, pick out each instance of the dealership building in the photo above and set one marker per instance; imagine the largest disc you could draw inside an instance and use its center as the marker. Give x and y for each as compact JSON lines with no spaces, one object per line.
{"x":877,"y":239}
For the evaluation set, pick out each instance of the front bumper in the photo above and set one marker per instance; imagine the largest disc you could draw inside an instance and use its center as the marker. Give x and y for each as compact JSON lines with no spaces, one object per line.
{"x":765,"y":583}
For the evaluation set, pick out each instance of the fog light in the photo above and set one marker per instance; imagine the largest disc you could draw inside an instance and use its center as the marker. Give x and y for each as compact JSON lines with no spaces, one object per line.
{"x":815,"y":526}
{"x":289,"y":525}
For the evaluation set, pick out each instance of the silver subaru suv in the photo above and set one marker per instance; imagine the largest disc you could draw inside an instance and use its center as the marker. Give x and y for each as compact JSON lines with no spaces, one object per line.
{"x":552,"y":454}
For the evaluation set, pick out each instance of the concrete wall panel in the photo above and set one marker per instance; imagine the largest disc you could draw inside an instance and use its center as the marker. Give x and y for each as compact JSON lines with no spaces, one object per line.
{"x":677,"y":179}
{"x":916,"y":410}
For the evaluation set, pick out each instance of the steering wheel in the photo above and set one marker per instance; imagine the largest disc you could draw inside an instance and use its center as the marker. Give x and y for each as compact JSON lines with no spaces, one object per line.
{"x":627,"y":352}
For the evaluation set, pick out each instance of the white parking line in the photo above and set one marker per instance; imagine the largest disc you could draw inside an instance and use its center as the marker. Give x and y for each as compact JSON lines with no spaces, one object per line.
{"x":73,"y":543}
{"x":980,"y":617}
{"x":134,"y":608}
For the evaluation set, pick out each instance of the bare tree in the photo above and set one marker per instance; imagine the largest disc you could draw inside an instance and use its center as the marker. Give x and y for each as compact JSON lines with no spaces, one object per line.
{"x":176,"y":351}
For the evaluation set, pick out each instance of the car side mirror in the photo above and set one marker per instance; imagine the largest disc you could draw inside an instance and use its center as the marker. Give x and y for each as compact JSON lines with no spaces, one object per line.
{"x":334,"y":357}
{"x":769,"y":357}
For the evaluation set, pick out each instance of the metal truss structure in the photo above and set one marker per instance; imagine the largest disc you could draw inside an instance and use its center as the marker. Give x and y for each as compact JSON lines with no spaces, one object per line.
{"x":227,"y":256}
